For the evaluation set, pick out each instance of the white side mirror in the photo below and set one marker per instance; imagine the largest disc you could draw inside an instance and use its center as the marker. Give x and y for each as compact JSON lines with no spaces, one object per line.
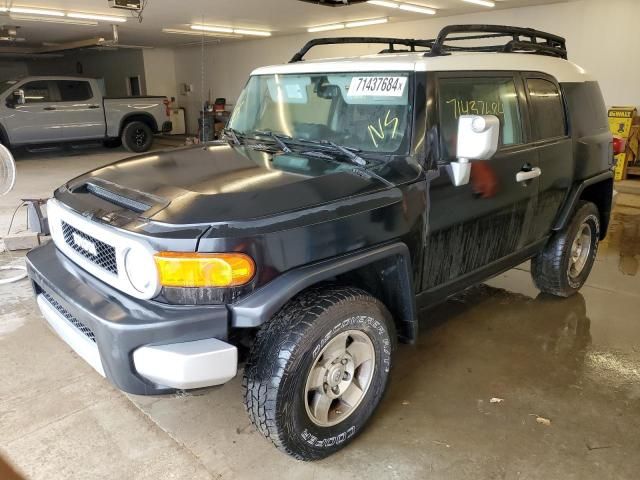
{"x":477,"y":140}
{"x":18,"y":96}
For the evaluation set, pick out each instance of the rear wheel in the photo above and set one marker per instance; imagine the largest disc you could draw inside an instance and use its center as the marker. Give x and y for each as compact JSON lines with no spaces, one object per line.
{"x":566,"y":261}
{"x":137,"y":137}
{"x":318,"y":370}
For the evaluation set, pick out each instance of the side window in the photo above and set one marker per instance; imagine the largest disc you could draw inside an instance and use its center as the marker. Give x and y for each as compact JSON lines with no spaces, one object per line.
{"x":478,"y":96}
{"x":74,"y":90}
{"x":37,"y":92}
{"x":547,"y":111}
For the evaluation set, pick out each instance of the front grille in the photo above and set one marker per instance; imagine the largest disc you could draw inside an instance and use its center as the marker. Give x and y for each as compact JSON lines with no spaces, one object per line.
{"x":70,"y":318}
{"x":105,"y":256}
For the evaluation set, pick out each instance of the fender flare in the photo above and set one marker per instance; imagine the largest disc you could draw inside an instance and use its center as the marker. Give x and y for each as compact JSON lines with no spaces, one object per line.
{"x":133,"y":117}
{"x":394,"y":259}
{"x":564,"y":216}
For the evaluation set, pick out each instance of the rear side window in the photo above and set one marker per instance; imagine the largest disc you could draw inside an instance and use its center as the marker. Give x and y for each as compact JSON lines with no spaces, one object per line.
{"x":547,"y":111}
{"x":478,"y":96}
{"x":74,"y":90}
{"x":37,"y":92}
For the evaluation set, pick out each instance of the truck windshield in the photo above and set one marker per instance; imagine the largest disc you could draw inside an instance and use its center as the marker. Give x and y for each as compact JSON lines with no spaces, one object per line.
{"x":6,"y":85}
{"x":365,"y":111}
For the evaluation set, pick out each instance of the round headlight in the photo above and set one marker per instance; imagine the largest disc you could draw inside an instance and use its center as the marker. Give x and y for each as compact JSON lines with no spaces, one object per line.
{"x":141,"y":270}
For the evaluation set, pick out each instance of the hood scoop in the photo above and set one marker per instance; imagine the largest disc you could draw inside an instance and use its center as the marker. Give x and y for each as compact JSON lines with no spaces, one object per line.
{"x":130,"y":199}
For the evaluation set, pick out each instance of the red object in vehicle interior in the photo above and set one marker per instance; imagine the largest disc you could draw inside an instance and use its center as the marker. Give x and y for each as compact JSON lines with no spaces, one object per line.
{"x":619,"y":145}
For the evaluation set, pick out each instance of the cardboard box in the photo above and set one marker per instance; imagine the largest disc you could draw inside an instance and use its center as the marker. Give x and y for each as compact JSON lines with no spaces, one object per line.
{"x":620,"y":123}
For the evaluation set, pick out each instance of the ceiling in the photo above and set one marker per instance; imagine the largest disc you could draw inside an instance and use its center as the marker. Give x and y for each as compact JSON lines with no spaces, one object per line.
{"x":279,"y":16}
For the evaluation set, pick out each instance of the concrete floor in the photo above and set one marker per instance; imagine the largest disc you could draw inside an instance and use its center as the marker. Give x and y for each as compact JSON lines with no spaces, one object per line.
{"x":575,"y":362}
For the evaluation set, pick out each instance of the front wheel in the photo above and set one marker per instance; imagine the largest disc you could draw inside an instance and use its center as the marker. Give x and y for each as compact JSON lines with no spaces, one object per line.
{"x":318,"y":370}
{"x":137,"y":137}
{"x":566,"y":261}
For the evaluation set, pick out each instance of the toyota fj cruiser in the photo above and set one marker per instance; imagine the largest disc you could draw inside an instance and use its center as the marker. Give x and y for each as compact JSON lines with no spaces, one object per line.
{"x":348,"y":194}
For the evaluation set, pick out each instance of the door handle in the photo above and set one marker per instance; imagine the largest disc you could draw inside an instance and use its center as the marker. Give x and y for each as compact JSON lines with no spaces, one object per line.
{"x":49,"y":108}
{"x":94,"y":106}
{"x":523,"y":176}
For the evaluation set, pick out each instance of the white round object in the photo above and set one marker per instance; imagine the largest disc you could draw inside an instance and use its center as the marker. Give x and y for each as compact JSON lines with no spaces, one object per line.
{"x":141,"y":270}
{"x":7,"y":170}
{"x":479,"y":124}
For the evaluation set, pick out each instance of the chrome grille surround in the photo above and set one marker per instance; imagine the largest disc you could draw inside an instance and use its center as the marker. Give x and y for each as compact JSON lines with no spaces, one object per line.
{"x":101,"y":236}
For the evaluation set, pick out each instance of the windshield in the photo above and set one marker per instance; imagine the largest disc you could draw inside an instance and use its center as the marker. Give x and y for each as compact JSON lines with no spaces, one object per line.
{"x":6,"y":85}
{"x":364,"y":111}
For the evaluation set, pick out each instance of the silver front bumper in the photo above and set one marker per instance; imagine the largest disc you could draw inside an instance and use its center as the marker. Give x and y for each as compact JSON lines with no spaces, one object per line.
{"x":186,"y":365}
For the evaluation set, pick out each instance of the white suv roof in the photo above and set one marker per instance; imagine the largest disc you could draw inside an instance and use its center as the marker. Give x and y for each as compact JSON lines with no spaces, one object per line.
{"x":562,"y":70}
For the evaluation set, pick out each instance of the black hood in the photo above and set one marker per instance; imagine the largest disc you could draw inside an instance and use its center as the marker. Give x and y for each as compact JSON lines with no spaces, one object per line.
{"x":222,"y":183}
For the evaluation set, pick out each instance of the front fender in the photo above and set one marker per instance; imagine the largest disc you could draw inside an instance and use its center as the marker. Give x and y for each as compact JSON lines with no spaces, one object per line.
{"x":391,"y":264}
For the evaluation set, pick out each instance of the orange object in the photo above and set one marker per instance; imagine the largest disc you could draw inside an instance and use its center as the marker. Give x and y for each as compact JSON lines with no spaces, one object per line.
{"x":484,"y":180}
{"x":184,"y":269}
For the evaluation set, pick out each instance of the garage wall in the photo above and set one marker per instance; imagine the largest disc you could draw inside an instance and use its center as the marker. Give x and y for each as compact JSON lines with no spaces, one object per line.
{"x":12,"y":68}
{"x":605,"y":51}
{"x":115,"y":66}
{"x":160,"y":71}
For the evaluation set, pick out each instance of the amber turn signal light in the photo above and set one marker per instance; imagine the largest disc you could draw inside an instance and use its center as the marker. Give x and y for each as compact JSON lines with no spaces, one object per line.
{"x":183,"y":269}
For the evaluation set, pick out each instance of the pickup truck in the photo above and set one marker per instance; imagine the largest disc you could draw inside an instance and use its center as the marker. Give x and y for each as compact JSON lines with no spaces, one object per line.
{"x":54,"y":109}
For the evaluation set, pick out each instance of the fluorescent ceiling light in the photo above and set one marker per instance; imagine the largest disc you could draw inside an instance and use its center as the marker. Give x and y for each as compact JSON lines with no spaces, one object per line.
{"x":199,"y":34}
{"x":484,"y":3}
{"x":409,"y":7}
{"x":239,"y":31}
{"x":258,"y":33}
{"x":383,"y":3}
{"x":326,"y":28}
{"x":207,"y":28}
{"x":36,"y":11}
{"x":28,"y":18}
{"x":92,"y":16}
{"x":364,"y":23}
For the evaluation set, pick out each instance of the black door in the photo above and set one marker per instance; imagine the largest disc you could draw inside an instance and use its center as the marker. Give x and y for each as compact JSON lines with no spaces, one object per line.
{"x":554,"y":146}
{"x":475,"y":225}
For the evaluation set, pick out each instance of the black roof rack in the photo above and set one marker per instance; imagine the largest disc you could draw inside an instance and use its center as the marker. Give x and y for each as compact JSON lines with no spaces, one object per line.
{"x":521,"y":40}
{"x":391,"y":42}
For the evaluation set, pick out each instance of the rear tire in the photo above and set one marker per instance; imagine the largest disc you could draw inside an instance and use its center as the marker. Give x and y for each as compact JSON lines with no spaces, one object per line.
{"x":318,"y":370}
{"x":137,"y":137}
{"x":566,"y":261}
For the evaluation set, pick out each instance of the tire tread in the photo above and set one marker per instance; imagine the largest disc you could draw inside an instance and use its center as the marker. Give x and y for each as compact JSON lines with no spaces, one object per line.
{"x":283,"y":334}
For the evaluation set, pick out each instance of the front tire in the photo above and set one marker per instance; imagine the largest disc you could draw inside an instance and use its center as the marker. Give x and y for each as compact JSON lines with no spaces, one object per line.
{"x":567,"y":259}
{"x":318,"y":370}
{"x":137,"y":137}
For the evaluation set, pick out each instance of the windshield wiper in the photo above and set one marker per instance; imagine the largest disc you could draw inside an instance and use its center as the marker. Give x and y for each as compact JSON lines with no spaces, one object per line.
{"x":349,"y":152}
{"x":278,"y":138}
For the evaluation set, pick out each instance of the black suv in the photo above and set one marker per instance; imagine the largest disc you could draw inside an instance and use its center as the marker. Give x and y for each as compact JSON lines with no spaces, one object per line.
{"x":348,"y":195}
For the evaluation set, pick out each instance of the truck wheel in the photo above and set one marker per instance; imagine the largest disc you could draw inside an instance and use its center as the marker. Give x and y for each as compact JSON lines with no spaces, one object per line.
{"x":318,"y":370}
{"x":137,"y":137}
{"x":566,"y":261}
